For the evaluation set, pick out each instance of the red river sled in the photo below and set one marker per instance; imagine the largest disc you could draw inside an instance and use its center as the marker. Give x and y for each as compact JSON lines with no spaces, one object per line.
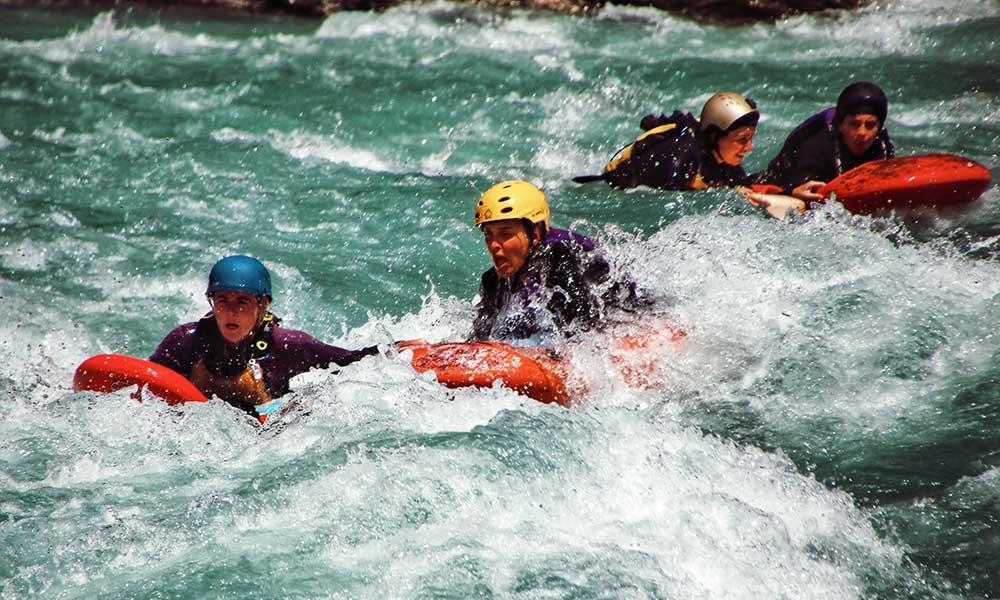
{"x":929,"y":180}
{"x":111,"y":372}
{"x":534,"y":372}
{"x":537,"y":372}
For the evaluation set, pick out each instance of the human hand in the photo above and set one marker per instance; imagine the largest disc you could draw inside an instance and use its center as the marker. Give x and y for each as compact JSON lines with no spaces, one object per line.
{"x":808,"y":191}
{"x":755,"y":199}
{"x":776,"y":205}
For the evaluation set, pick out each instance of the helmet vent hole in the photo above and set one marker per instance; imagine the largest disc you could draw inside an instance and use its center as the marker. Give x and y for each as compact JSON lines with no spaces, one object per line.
{"x":504,"y":199}
{"x":506,"y":209}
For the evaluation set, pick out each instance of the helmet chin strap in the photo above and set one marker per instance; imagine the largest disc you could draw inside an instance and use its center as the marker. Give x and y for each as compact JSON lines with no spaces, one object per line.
{"x":261,"y":311}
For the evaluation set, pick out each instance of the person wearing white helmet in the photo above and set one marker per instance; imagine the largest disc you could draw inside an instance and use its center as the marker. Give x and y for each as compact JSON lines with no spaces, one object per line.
{"x":680,"y":152}
{"x":543,"y":281}
{"x":833,"y":142}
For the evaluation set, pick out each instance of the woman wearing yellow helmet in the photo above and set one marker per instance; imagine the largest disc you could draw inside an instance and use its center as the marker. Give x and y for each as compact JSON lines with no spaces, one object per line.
{"x":539,"y":283}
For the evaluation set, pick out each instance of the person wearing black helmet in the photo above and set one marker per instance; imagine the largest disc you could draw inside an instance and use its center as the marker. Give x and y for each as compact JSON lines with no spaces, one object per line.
{"x":833,"y":142}
{"x":679,"y":152}
{"x":238,"y":351}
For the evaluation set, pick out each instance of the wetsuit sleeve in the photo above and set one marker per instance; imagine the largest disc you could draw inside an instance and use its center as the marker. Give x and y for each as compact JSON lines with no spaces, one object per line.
{"x":295,"y":352}
{"x":486,"y":310}
{"x":572,"y":304}
{"x":176,"y":351}
{"x":302,"y":352}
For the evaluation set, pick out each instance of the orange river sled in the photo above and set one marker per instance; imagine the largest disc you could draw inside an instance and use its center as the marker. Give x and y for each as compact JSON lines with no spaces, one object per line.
{"x":931,"y":180}
{"x":534,"y":372}
{"x":537,"y":372}
{"x":112,"y":372}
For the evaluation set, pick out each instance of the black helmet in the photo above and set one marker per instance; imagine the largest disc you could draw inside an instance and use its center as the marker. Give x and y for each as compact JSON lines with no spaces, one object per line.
{"x":862,"y":97}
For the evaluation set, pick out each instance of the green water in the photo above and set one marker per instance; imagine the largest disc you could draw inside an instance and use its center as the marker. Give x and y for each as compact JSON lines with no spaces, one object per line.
{"x":827,"y":430}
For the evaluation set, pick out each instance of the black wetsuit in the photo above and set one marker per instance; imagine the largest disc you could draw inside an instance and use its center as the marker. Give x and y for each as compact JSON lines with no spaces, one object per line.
{"x":671,"y":160}
{"x":815,"y":151}
{"x":549,"y":294}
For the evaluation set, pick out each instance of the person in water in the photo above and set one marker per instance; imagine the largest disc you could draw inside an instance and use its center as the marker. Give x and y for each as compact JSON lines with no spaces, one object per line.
{"x":238,"y":351}
{"x":679,"y":152}
{"x":833,"y":142}
{"x":543,"y":280}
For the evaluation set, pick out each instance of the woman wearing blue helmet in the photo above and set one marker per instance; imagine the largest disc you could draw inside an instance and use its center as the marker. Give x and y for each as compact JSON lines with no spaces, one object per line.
{"x":238,"y":351}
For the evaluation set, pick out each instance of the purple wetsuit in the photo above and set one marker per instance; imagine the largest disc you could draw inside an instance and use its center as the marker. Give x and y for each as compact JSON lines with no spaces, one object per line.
{"x":289,"y":353}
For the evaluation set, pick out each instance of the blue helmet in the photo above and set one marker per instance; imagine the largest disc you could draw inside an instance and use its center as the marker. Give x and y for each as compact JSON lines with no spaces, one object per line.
{"x":240,"y":274}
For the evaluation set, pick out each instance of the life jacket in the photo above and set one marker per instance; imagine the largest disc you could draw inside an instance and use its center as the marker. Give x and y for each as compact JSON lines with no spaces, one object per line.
{"x":237,"y":378}
{"x":622,"y":171}
{"x":640,"y":143}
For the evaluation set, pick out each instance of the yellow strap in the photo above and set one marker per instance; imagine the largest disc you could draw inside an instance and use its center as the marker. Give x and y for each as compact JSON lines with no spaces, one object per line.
{"x":626,"y":152}
{"x":655,"y":130}
{"x":246,"y":387}
{"x":698,"y":182}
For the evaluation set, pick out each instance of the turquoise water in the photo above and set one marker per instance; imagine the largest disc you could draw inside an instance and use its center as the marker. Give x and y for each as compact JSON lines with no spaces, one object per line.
{"x":828,"y":429}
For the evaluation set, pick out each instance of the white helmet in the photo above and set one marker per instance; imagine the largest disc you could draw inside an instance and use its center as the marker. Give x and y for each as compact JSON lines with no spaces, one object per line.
{"x":726,"y":109}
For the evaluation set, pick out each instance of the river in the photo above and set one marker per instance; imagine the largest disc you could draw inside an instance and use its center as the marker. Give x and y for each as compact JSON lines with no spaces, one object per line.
{"x":829,"y":428}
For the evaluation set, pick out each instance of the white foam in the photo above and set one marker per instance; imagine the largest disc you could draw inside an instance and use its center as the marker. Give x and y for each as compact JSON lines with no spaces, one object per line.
{"x":26,"y":256}
{"x":900,"y":27}
{"x":399,"y":22}
{"x":305,"y":146}
{"x":756,"y":294}
{"x":630,"y":496}
{"x":105,"y":36}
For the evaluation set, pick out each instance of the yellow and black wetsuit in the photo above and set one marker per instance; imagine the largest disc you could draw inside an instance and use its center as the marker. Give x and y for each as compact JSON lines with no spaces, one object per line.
{"x":670,"y":156}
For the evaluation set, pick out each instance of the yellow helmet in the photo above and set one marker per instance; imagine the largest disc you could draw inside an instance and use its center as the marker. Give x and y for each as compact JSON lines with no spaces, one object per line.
{"x":512,"y":200}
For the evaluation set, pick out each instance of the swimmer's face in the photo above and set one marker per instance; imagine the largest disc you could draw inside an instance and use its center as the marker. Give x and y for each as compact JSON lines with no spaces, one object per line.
{"x":508,"y":244}
{"x":236,"y":314}
{"x":734,"y":145}
{"x":859,"y":132}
